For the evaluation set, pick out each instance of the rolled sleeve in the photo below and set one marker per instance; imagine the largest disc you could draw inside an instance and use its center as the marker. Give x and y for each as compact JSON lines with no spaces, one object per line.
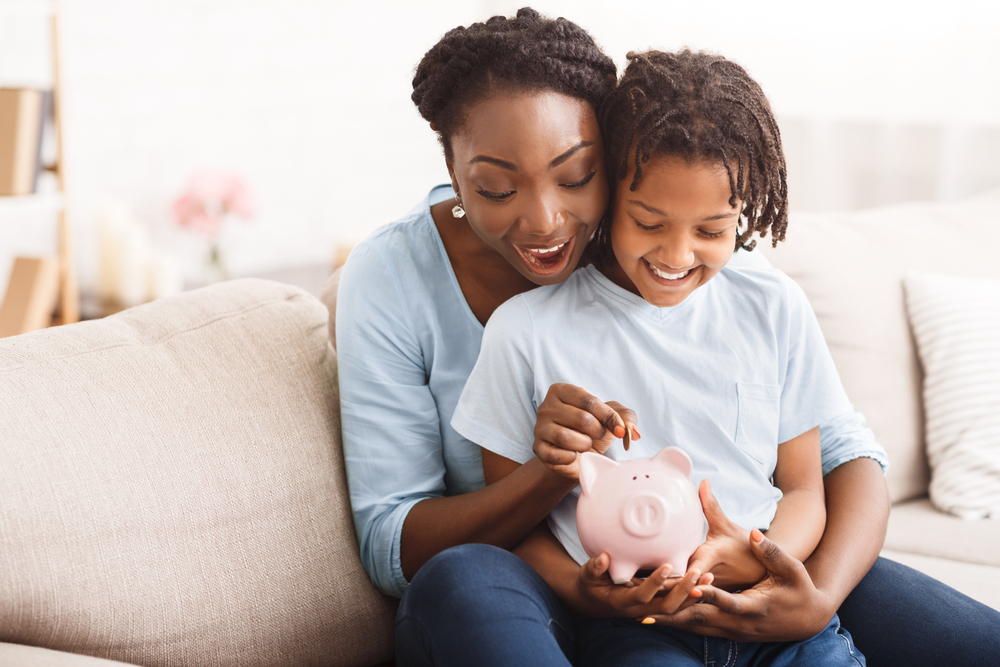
{"x":847,"y":437}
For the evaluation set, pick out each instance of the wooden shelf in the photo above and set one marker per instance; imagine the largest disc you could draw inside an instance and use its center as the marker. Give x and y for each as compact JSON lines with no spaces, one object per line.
{"x":31,"y":294}
{"x":49,"y":202}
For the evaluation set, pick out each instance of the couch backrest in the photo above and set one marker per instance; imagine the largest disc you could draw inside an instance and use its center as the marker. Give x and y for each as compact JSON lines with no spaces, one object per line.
{"x":851,"y":266}
{"x":172,"y":488}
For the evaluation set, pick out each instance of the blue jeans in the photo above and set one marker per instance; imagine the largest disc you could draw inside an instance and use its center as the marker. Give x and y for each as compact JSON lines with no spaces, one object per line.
{"x":627,"y":643}
{"x":480,"y":605}
{"x":476,"y":604}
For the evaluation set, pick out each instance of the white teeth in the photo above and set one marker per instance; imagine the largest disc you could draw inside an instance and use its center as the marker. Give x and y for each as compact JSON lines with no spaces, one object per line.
{"x":531,"y":253}
{"x":542,"y":251}
{"x":669,"y":276}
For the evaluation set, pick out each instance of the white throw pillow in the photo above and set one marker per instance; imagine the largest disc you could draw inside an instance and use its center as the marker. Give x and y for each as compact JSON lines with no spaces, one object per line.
{"x":956,"y":324}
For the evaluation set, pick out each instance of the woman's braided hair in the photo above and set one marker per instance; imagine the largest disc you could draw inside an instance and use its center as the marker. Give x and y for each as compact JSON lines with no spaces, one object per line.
{"x":529,"y":52}
{"x":699,"y":107}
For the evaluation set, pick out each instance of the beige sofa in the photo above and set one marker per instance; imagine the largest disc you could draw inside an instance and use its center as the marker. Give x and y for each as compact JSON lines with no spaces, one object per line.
{"x":851,"y":266}
{"x":172,"y":490}
{"x":171,"y":482}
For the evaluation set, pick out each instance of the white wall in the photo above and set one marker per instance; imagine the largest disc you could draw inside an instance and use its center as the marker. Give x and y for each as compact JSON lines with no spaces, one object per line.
{"x":310,"y":101}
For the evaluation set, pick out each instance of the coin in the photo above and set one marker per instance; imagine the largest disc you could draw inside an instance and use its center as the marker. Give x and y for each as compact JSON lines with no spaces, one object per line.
{"x":627,"y":440}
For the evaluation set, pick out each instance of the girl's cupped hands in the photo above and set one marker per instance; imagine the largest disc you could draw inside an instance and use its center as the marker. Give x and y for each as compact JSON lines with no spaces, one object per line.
{"x":658,"y":595}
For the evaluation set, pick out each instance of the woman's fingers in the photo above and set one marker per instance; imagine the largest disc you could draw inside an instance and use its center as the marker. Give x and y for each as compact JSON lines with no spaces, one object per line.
{"x":780,"y":565}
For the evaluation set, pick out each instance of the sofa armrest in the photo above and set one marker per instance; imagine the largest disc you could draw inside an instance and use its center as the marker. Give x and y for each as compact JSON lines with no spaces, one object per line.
{"x":18,"y":655}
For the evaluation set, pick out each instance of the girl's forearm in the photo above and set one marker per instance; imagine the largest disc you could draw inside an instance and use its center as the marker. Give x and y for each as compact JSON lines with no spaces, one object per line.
{"x":857,"y":511}
{"x":501,"y":514}
{"x":542,"y":551}
{"x":798,"y":522}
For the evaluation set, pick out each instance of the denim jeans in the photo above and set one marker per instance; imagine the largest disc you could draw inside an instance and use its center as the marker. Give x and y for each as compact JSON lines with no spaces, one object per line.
{"x":627,"y":643}
{"x":479,"y":605}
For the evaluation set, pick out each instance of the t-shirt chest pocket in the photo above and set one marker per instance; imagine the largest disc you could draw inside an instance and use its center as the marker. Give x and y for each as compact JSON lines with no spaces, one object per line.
{"x":757,"y":419}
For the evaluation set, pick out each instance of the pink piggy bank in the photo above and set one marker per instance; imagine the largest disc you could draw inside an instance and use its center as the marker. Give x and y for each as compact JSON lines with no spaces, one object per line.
{"x":642,"y":513}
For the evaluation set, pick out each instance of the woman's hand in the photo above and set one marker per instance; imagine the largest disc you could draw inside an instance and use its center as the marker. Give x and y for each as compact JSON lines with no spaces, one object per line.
{"x":783,"y":606}
{"x":726,"y":552}
{"x":599,"y":597}
{"x":571,"y":421}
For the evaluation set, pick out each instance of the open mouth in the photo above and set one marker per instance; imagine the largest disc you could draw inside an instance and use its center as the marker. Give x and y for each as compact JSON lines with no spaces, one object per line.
{"x":547,"y":261}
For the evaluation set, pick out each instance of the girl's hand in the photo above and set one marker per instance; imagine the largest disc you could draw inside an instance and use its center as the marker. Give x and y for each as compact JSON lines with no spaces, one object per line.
{"x":571,"y":421}
{"x":726,"y":552}
{"x":599,"y":597}
{"x":784,"y":606}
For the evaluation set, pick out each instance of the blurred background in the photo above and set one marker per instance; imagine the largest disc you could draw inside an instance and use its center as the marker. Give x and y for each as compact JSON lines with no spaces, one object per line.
{"x":306,"y":103}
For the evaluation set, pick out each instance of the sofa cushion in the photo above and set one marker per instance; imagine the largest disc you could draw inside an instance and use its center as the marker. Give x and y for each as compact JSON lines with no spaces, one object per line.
{"x":979,"y":582}
{"x":19,"y":655}
{"x":956,"y":324}
{"x":851,"y":267}
{"x":173,"y":488}
{"x":917,"y":527}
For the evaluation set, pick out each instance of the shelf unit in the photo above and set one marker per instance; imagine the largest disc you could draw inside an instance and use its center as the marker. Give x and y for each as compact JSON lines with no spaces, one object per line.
{"x":32,"y":299}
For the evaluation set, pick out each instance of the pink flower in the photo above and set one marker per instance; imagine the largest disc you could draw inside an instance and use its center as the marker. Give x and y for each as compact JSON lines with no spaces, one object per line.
{"x":211,"y":197}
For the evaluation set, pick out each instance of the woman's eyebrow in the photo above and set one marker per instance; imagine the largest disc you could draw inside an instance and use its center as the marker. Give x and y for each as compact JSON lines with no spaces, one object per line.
{"x":565,"y":156}
{"x":503,"y":164}
{"x":510,"y":166}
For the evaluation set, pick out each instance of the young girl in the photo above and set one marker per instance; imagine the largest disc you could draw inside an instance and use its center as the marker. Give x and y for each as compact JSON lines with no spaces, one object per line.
{"x":729,"y":365}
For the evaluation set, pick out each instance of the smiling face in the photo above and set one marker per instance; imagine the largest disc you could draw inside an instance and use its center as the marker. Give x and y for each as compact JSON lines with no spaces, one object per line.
{"x":675,"y":231}
{"x":529,"y":170}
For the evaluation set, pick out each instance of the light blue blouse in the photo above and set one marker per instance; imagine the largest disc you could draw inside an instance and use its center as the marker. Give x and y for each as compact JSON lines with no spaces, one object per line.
{"x":406,"y":344}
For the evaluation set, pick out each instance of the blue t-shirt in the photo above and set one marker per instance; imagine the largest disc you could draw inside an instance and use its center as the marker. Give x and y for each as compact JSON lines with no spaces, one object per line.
{"x":735,"y":369}
{"x":406,"y":343}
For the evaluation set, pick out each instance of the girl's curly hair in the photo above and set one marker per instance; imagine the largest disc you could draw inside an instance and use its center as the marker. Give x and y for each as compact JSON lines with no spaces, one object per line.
{"x":699,"y":107}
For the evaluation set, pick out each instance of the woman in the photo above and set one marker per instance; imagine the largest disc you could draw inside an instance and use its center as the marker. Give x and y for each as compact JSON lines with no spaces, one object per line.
{"x":513,"y":102}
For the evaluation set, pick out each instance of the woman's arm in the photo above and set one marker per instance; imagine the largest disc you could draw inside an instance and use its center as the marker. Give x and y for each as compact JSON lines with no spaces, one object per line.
{"x":500,"y":514}
{"x":857,"y":513}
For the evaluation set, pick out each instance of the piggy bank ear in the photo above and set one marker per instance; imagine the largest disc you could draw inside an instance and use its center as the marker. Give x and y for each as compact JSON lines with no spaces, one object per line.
{"x":678,"y":458}
{"x":592,"y":465}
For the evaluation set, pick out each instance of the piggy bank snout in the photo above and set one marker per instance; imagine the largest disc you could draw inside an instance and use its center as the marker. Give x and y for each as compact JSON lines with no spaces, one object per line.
{"x":644,"y":514}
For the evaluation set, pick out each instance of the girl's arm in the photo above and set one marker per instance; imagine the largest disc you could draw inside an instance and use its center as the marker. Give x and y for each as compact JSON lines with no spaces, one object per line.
{"x":801,"y":514}
{"x":521,"y":496}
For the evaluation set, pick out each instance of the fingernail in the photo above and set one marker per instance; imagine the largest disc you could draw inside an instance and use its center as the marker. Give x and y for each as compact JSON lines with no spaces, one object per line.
{"x":649,"y":620}
{"x":635,"y":433}
{"x":695,"y":574}
{"x":695,"y":593}
{"x":619,"y":432}
{"x":756,"y":535}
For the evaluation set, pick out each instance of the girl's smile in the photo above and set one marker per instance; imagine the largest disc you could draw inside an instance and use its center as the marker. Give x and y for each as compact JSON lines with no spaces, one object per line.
{"x":675,"y":231}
